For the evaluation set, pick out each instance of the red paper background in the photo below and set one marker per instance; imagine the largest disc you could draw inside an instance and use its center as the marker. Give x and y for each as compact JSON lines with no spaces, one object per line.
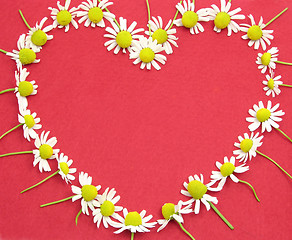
{"x":144,"y":132}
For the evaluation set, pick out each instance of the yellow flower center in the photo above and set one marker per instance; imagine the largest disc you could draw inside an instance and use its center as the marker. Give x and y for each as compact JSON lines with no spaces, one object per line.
{"x":266,"y":58}
{"x":271,"y":84}
{"x":25,"y":88}
{"x":222,"y":20}
{"x":64,"y":17}
{"x":133,"y":219}
{"x":263,"y":114}
{"x":168,"y":209}
{"x":147,"y":55}
{"x":246,"y":145}
{"x":46,"y":151}
{"x":190,"y":19}
{"x":107,"y":208}
{"x":95,"y":14}
{"x":89,"y":192}
{"x":64,"y":167}
{"x":254,"y":33}
{"x":124,"y":39}
{"x":160,"y":36}
{"x":29,"y":121}
{"x":197,"y":189}
{"x":27,"y":56}
{"x":39,"y":38}
{"x":227,"y":169}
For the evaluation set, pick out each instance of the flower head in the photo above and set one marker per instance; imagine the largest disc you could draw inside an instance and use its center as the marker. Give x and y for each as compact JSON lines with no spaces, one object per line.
{"x":63,"y":164}
{"x":272,"y":85}
{"x":93,"y":14}
{"x":267,"y":117}
{"x":267,"y":60}
{"x":88,"y":193}
{"x":44,"y":151}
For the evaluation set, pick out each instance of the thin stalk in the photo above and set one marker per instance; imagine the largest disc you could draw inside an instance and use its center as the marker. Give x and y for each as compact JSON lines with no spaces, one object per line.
{"x":221,"y":216}
{"x":41,"y":181}
{"x":254,"y":192}
{"x":285,"y":63}
{"x":115,"y":20}
{"x":186,"y":232}
{"x":132,"y":235}
{"x":77,"y":216}
{"x":3,"y":51}
{"x":15,"y":153}
{"x":284,"y":134}
{"x":9,"y":131}
{"x":23,"y":18}
{"x":276,"y":17}
{"x":285,"y":85}
{"x":274,"y":163}
{"x":59,"y":201}
{"x":7,"y":90}
{"x":175,"y":16}
{"x":149,"y":17}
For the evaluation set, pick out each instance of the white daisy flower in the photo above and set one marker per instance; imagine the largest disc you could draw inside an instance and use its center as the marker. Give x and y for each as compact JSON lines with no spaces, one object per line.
{"x":147,"y":52}
{"x":272,"y":85}
{"x":88,"y":193}
{"x":190,"y":19}
{"x":134,"y":222}
{"x":162,"y":36}
{"x":30,"y":124}
{"x":93,"y":14}
{"x":197,"y":190}
{"x":25,"y":55}
{"x":267,"y":60}
{"x":247,"y":146}
{"x":107,"y":208}
{"x":265,"y":116}
{"x":37,"y":37}
{"x":23,"y":88}
{"x":122,"y":38}
{"x":63,"y":16}
{"x":63,"y":165}
{"x":171,"y":211}
{"x":44,"y":151}
{"x":224,"y":18}
{"x":256,"y":34}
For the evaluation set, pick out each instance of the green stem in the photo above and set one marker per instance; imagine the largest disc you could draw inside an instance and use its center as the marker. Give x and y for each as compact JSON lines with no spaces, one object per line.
{"x":132,"y":236}
{"x":59,"y":201}
{"x":284,"y":134}
{"x":274,"y":163}
{"x":77,"y":216}
{"x":221,"y":216}
{"x":15,"y":153}
{"x":285,"y":85}
{"x":115,"y":20}
{"x":7,"y":90}
{"x":276,"y":17}
{"x":285,"y":63}
{"x":23,"y":18}
{"x":41,"y":181}
{"x":149,"y":17}
{"x":186,"y":232}
{"x":3,"y":51}
{"x":254,"y":192}
{"x":175,"y":16}
{"x":9,"y":131}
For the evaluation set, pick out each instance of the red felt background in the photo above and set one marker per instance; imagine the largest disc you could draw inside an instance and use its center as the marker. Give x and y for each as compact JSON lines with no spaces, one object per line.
{"x":144,"y":132}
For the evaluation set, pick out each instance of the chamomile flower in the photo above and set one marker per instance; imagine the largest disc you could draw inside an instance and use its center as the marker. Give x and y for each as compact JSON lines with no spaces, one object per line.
{"x":272,"y":85}
{"x":30,"y":124}
{"x":107,"y":208}
{"x":171,"y":211}
{"x":247,"y":146}
{"x":164,"y":36}
{"x":122,"y":37}
{"x":64,"y":168}
{"x":267,"y":117}
{"x":267,"y":60}
{"x":23,"y":88}
{"x":224,"y":18}
{"x":93,"y":14}
{"x":44,"y":151}
{"x":24,"y":55}
{"x":134,"y":222}
{"x":38,"y":37}
{"x":147,"y":52}
{"x":256,"y":34}
{"x":63,"y":16}
{"x":197,"y":190}
{"x":88,"y":193}
{"x":190,"y":19}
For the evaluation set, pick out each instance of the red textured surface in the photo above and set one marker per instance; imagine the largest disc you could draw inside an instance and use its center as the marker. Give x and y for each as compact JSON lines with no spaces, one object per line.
{"x":145,"y":132}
